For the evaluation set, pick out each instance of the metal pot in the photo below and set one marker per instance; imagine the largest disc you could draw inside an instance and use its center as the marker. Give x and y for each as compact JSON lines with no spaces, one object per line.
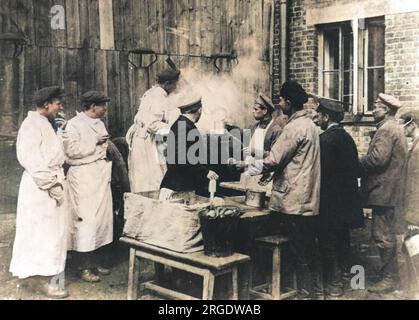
{"x":255,"y":198}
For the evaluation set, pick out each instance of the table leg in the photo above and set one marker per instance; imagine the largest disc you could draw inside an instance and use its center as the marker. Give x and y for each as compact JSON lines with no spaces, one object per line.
{"x":235,"y":284}
{"x":276,"y":273}
{"x":208,"y":286}
{"x":133,"y":275}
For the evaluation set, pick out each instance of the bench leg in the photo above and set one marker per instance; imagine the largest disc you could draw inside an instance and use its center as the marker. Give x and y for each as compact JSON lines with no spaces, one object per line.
{"x":276,"y":273}
{"x":208,"y":286}
{"x":133,"y":275}
{"x":235,"y":283}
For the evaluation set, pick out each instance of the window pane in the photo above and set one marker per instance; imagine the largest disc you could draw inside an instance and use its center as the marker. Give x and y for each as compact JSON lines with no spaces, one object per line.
{"x":376,"y":31}
{"x":331,"y":49}
{"x":348,"y":49}
{"x":375,"y":85}
{"x":348,"y":81}
{"x":331,"y":85}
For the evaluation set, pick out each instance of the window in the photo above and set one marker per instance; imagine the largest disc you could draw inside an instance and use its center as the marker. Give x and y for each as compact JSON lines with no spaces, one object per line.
{"x":345,"y":45}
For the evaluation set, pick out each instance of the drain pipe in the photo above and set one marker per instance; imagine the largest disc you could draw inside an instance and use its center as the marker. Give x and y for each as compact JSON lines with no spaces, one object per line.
{"x":284,"y":40}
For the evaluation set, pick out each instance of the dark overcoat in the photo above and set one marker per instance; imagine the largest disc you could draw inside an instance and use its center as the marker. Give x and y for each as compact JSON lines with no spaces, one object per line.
{"x":340,"y":203}
{"x":185,"y":174}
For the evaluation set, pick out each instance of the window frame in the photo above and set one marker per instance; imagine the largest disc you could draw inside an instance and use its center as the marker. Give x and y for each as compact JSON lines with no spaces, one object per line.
{"x":360,"y":65}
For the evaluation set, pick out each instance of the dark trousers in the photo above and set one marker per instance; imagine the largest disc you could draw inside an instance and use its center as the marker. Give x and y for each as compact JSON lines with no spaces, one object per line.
{"x":382,"y":227}
{"x":332,"y":251}
{"x":301,"y":232}
{"x":385,"y":239}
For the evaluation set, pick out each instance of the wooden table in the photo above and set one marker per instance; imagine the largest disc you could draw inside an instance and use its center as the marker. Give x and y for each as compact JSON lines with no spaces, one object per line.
{"x":198,"y":263}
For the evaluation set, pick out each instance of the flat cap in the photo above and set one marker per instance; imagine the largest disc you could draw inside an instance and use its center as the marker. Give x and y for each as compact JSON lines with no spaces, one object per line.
{"x":410,"y":115}
{"x":291,"y":90}
{"x":46,"y":94}
{"x":266,"y":102}
{"x":191,"y":107}
{"x":329,"y":105}
{"x":390,"y":101}
{"x":168,"y":75}
{"x":95,"y":97}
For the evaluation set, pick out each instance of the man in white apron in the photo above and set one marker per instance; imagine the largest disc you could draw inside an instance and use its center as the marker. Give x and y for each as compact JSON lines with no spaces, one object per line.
{"x":146,"y":162}
{"x":40,"y":246}
{"x":89,"y":179}
{"x":264,"y":132}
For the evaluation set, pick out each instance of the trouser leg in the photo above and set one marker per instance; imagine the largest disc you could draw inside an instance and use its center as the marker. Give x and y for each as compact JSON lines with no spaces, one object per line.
{"x":385,"y":239}
{"x":382,"y":231}
{"x":329,"y":249}
{"x":303,"y":245}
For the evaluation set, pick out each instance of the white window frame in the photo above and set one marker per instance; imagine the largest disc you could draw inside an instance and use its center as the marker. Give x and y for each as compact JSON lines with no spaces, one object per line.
{"x":360,"y":64}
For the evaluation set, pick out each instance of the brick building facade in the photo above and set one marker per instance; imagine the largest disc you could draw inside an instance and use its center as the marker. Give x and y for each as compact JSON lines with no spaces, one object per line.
{"x":351,"y":50}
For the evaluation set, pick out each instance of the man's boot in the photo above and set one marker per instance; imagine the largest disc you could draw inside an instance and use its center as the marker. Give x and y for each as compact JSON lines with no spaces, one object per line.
{"x":389,"y":270}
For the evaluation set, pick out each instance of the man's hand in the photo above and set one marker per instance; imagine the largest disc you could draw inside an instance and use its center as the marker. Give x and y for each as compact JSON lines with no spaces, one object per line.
{"x":102,"y":139}
{"x":212,"y":175}
{"x":57,"y":193}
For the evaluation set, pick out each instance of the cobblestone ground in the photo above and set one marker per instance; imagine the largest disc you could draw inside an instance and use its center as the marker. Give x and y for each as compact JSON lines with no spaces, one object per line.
{"x":114,"y":287}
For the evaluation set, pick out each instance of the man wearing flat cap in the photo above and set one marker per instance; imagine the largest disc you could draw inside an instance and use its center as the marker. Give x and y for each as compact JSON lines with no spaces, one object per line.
{"x":382,"y":169}
{"x":264,"y":134}
{"x":89,"y":176}
{"x":185,"y":171}
{"x":146,"y":159}
{"x":40,"y":246}
{"x":340,"y":205}
{"x":295,"y":161}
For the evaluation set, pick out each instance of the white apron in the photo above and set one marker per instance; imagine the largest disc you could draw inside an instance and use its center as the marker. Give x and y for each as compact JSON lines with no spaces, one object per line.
{"x":89,"y":185}
{"x":257,"y":144}
{"x":90,"y":201}
{"x":40,"y":244}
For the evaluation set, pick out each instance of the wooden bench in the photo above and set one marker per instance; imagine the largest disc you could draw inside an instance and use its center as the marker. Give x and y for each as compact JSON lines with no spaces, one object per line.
{"x":273,"y":243}
{"x":198,"y":263}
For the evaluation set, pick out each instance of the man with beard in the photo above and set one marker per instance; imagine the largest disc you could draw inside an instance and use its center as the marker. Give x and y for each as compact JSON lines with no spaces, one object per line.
{"x":340,"y":205}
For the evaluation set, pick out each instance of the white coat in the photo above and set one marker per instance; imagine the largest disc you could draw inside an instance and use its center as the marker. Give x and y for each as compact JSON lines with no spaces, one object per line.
{"x":89,"y":184}
{"x":40,"y":244}
{"x":146,"y":162}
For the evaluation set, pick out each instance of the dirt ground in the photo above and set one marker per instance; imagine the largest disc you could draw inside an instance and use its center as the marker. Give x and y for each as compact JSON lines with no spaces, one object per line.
{"x":114,"y":287}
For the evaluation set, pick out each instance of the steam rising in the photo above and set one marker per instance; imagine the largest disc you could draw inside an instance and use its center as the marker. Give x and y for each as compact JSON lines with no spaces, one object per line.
{"x":226,"y":96}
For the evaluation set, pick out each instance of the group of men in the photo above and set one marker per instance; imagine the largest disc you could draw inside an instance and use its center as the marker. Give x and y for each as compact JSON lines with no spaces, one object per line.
{"x":57,"y":213}
{"x":315,"y":198}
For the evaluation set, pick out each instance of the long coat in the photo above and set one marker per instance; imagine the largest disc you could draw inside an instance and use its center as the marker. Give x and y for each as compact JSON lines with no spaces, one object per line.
{"x":410,"y":204}
{"x":89,"y":185}
{"x":146,"y":166}
{"x":182,"y":175}
{"x":40,"y":245}
{"x":340,"y":203}
{"x":382,"y":167}
{"x":295,"y":159}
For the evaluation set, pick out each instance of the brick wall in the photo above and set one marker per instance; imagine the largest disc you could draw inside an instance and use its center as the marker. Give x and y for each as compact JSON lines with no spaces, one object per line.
{"x":402,"y":57}
{"x":361,"y":136}
{"x":302,"y":52}
{"x":302,"y":43}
